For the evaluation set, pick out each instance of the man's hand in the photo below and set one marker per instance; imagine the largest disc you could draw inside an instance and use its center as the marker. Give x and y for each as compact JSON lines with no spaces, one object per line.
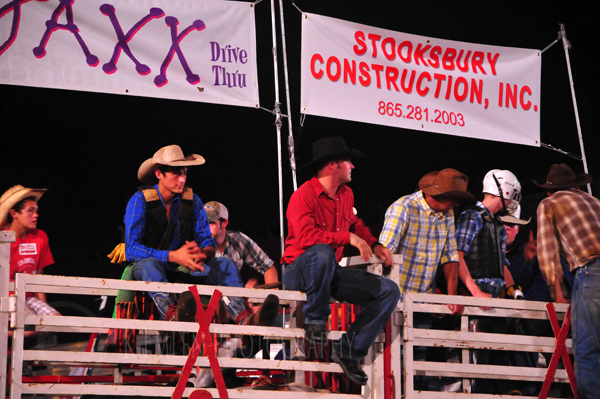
{"x":383,"y":253}
{"x":251,"y":283}
{"x":363,"y":247}
{"x":480,"y":294}
{"x":188,"y":255}
{"x":456,"y":309}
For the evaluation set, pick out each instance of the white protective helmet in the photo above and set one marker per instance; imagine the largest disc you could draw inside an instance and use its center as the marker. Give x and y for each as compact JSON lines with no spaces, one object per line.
{"x":503,"y":183}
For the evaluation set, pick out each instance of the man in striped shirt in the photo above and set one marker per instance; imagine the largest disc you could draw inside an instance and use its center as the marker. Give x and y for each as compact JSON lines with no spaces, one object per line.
{"x":569,"y":224}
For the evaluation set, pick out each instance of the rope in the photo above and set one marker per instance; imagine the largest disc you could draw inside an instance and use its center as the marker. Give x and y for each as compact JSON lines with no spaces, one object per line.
{"x":297,"y":8}
{"x":272,"y":111}
{"x":550,"y":147}
{"x":548,"y":46}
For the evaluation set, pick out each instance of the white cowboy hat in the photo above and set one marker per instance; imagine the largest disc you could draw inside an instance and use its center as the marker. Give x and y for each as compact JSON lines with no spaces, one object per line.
{"x":170,"y":155}
{"x":12,"y":196}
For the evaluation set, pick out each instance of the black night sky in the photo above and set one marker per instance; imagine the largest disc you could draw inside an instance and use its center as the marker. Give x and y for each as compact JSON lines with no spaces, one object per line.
{"x":86,"y":147}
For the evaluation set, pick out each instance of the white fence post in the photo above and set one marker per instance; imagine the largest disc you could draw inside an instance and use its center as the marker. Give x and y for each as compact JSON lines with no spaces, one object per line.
{"x":6,"y":237}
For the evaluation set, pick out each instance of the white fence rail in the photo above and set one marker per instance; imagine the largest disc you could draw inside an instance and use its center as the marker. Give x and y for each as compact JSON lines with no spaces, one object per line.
{"x":74,"y":324}
{"x":402,"y":338}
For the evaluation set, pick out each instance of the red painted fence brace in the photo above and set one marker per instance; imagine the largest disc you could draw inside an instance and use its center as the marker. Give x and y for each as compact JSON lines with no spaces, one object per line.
{"x":559,"y":351}
{"x":204,"y":320}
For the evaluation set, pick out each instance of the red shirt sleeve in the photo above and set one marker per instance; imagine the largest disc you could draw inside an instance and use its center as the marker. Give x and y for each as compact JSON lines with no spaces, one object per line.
{"x":46,"y":258}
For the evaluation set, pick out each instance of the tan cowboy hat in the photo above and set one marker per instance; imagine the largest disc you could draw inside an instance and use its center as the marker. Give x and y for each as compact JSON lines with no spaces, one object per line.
{"x":449,"y":182}
{"x":562,"y":176}
{"x":12,"y":196}
{"x":170,"y":155}
{"x":514,"y":217}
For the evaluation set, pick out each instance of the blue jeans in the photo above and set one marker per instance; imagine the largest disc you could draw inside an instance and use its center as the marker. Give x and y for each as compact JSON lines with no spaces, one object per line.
{"x":585,"y":321}
{"x":494,"y":286}
{"x":218,"y":271}
{"x":317,"y":273}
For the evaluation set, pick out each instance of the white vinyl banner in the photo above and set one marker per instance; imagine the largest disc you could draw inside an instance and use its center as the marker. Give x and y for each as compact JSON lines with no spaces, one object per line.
{"x":366,"y":74}
{"x":185,"y":49}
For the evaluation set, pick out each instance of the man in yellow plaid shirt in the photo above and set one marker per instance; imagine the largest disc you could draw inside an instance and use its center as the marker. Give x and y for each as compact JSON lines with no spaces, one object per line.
{"x":420,"y":227}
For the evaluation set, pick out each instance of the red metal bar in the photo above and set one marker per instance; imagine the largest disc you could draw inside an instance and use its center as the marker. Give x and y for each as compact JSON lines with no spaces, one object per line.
{"x":560,"y":350}
{"x":204,"y":321}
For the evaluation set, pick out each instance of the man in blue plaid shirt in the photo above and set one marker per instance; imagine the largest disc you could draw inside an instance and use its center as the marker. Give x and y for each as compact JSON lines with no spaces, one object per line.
{"x":167,"y":235}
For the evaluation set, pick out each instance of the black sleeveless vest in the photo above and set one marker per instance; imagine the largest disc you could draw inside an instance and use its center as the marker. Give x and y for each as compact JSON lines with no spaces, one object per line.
{"x":485,"y":258}
{"x":159,"y":229}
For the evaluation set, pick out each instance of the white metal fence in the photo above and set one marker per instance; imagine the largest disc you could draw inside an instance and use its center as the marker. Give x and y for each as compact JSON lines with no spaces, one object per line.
{"x":390,"y":374}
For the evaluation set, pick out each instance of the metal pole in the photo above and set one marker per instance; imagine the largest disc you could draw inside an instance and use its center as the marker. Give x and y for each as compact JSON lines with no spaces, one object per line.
{"x":291,"y":147}
{"x":567,"y":45}
{"x":6,"y":237}
{"x":277,"y":112}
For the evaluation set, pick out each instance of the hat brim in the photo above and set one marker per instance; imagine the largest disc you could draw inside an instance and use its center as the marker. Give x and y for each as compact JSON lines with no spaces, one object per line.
{"x":508,"y":219}
{"x":146,"y":170}
{"x":581,"y":180}
{"x":461,"y":196}
{"x":15,"y":198}
{"x":349,"y":153}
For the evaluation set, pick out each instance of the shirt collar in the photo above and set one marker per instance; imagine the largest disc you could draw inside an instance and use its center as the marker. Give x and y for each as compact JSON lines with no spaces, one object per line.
{"x":320,"y":190}
{"x":425,"y":206}
{"x":427,"y":209}
{"x":487,"y":211}
{"x":175,"y":199}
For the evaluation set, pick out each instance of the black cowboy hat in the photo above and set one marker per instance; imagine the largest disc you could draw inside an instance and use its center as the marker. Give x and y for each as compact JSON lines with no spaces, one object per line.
{"x":562,"y":176}
{"x":331,"y":148}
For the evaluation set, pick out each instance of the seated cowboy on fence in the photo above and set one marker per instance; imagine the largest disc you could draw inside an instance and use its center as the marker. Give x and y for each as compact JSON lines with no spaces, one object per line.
{"x":168,"y":236}
{"x":320,"y":223}
{"x":30,"y":252}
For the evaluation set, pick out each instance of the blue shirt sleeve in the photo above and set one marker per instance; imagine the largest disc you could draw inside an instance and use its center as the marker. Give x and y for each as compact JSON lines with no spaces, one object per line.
{"x":202,"y":230}
{"x":135,"y":224}
{"x":468,"y":225}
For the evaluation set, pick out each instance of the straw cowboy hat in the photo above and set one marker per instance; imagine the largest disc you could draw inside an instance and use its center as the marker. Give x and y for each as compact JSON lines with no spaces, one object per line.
{"x":170,"y":155}
{"x":561,"y":176}
{"x":12,"y":196}
{"x":447,"y":182}
{"x":330,"y":148}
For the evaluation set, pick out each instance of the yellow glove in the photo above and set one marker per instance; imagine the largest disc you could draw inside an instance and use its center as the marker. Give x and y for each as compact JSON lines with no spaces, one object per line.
{"x":118,"y":254}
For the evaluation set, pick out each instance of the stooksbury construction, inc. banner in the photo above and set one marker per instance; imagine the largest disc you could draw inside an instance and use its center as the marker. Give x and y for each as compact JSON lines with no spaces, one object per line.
{"x":366,"y":74}
{"x":186,"y":49}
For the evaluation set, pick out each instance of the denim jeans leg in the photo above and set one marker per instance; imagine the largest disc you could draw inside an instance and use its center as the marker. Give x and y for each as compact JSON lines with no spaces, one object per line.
{"x":378,"y":297}
{"x":312,"y":273}
{"x":224,"y":272}
{"x":585,"y":321}
{"x":153,"y":270}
